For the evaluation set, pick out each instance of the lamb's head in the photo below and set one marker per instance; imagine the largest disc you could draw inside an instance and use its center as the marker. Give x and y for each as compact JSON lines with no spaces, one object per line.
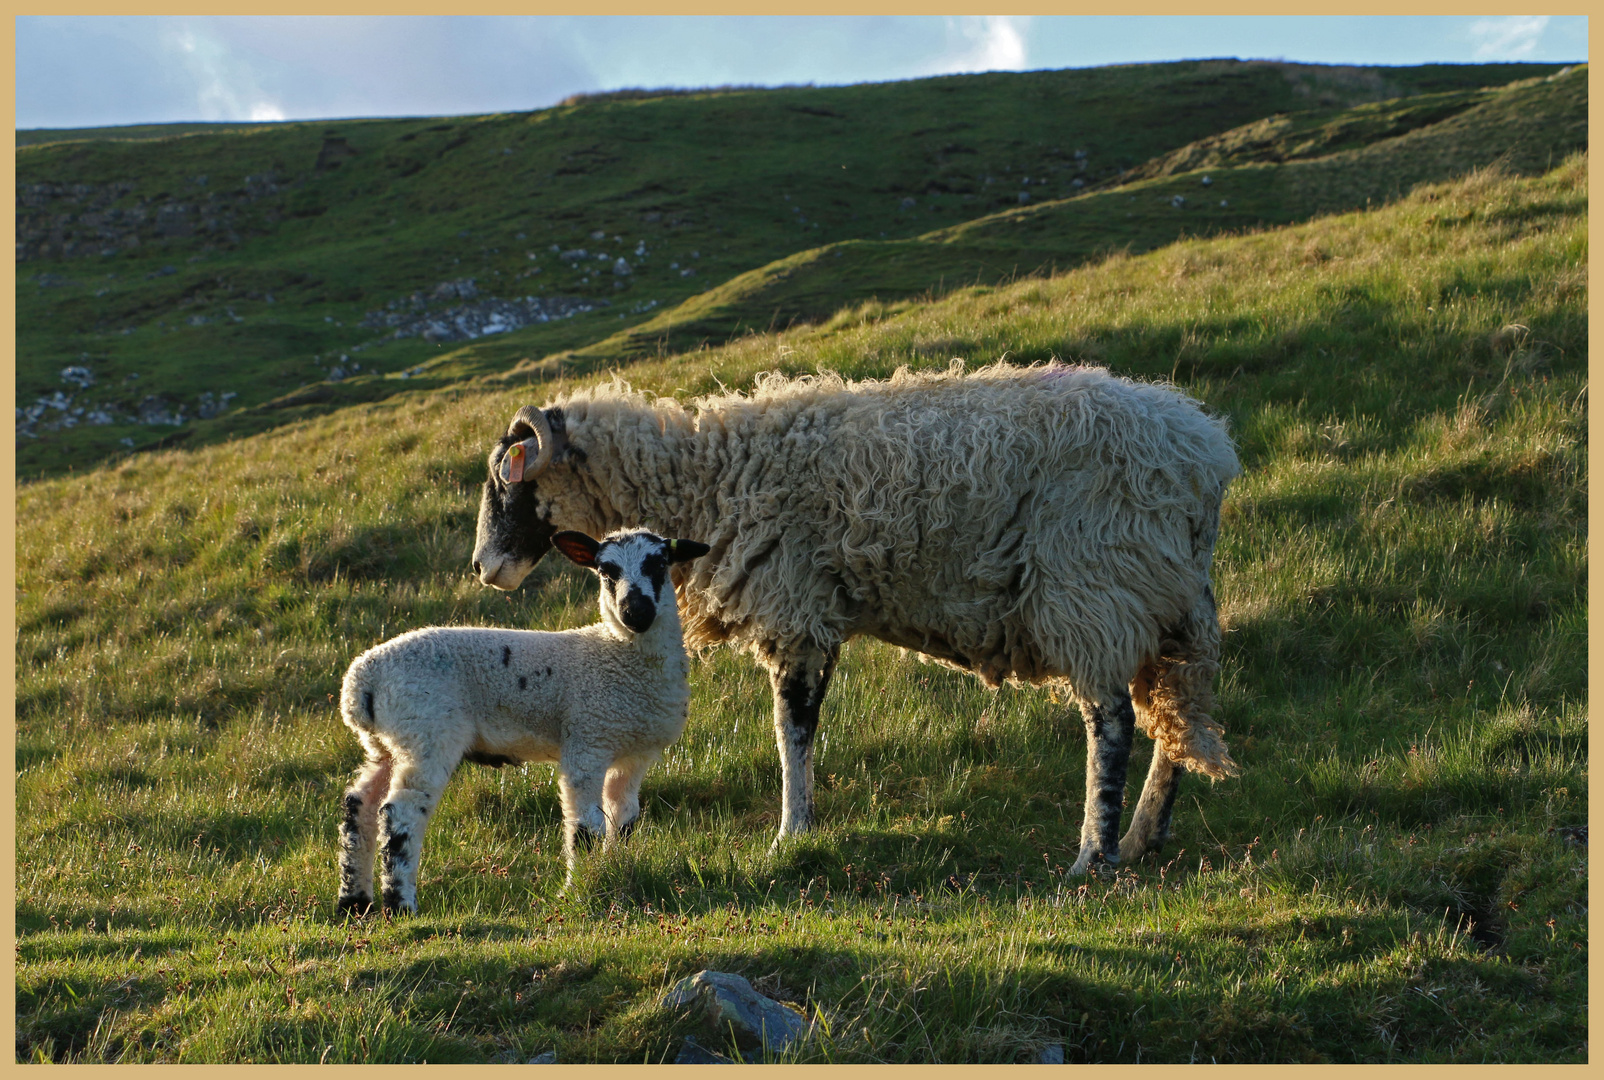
{"x":633,"y":567}
{"x":513,"y":535}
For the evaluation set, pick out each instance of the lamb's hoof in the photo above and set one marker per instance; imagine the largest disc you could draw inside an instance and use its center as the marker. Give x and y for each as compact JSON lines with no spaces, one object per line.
{"x":395,"y":904}
{"x":353,"y":906}
{"x":1133,"y":851}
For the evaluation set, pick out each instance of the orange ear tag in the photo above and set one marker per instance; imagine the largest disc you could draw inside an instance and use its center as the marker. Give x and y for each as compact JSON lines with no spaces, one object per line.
{"x":512,"y":465}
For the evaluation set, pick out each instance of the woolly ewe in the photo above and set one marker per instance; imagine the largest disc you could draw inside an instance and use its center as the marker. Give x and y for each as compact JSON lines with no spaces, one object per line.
{"x":1048,"y":524}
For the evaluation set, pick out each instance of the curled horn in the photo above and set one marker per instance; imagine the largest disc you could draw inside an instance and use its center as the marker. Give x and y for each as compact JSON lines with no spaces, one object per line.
{"x":546,"y":440}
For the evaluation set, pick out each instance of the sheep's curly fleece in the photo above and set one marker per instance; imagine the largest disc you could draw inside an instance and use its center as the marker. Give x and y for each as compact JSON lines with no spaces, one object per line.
{"x":1049,"y":524}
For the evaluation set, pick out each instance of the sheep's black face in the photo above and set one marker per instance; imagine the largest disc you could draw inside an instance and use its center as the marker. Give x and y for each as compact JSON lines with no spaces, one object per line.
{"x":512,"y":535}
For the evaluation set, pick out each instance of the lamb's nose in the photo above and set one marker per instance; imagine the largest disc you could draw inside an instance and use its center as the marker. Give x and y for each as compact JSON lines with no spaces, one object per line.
{"x":478,"y":571}
{"x":638,"y":612}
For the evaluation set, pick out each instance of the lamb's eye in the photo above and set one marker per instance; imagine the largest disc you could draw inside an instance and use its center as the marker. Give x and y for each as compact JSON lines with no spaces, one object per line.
{"x":610,"y":571}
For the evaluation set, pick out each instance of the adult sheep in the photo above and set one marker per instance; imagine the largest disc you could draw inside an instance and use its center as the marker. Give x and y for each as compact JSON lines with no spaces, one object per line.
{"x":1049,"y":524}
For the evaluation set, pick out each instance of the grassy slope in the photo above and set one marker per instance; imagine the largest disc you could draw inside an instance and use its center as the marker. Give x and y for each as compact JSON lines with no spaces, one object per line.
{"x":1272,"y":172}
{"x":1401,"y":573}
{"x":282,"y":277}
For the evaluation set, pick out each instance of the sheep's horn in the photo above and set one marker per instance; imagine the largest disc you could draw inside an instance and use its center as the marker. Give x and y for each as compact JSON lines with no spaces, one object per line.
{"x":535,"y":420}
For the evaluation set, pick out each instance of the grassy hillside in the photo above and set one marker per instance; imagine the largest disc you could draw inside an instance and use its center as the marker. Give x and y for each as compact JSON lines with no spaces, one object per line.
{"x":1401,"y":575}
{"x":229,"y":279}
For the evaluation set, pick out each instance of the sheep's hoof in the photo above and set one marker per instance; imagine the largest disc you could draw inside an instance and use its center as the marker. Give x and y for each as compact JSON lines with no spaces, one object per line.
{"x":394,"y":905}
{"x":1095,"y":863}
{"x":354,"y":906}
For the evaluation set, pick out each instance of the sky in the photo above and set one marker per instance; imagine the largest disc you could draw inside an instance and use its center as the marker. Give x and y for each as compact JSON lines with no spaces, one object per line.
{"x":89,"y":71}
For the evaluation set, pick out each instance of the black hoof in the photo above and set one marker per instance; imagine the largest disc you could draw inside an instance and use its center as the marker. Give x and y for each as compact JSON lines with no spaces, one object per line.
{"x":356,"y":906}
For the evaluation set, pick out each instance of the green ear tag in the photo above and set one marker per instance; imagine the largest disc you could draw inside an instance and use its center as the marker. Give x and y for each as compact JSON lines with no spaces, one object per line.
{"x":672,"y":545}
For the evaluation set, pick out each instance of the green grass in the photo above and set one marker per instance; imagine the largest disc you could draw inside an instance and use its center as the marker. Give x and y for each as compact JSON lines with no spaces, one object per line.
{"x":1401,"y":576}
{"x":258,"y":290}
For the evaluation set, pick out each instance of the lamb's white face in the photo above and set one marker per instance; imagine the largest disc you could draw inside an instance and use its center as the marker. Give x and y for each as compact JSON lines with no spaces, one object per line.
{"x":633,"y":567}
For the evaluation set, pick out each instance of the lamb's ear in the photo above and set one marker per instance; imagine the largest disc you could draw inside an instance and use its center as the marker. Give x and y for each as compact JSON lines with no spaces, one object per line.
{"x":578,"y":547}
{"x":686,"y":550}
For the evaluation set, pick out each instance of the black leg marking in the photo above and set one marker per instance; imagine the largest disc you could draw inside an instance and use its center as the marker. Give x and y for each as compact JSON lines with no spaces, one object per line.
{"x":1162,"y":832}
{"x":392,"y":901}
{"x":799,"y":688}
{"x":1109,"y":731}
{"x":356,"y":906}
{"x":353,"y":811}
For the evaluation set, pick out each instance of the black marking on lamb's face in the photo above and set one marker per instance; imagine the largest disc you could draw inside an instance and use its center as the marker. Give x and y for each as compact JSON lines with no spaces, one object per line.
{"x":523,"y":682}
{"x":367,"y":704}
{"x":506,"y":655}
{"x":655,"y":567}
{"x":495,"y":761}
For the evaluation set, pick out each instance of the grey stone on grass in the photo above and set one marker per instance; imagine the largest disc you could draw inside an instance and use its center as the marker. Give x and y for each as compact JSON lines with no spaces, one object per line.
{"x":730,"y":1004}
{"x":1052,"y":1055}
{"x":548,"y":1058}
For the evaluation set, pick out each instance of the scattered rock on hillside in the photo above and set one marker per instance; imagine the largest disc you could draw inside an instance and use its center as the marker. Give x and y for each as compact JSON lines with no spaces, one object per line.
{"x":420,"y":315}
{"x":731,"y":1004}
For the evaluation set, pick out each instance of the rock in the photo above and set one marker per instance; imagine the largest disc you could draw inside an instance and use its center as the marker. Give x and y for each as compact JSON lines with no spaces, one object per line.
{"x":1178,"y":202}
{"x":78,"y":376}
{"x":909,"y":202}
{"x":1052,"y":1055}
{"x":621,"y":268}
{"x":548,"y":1058}
{"x":692,"y":1052}
{"x":731,"y":1004}
{"x":1024,"y":197}
{"x":1207,"y":181}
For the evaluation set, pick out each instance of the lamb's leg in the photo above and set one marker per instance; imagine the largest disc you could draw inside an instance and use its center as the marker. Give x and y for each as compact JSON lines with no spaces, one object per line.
{"x":621,"y":796}
{"x":581,"y":777}
{"x":359,"y":833}
{"x":800,"y":681}
{"x":415,"y":790}
{"x":1150,"y":821}
{"x":1110,"y":724}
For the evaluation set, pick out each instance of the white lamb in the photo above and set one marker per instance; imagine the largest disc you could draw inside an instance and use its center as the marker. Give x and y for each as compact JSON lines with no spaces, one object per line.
{"x":602,"y":701}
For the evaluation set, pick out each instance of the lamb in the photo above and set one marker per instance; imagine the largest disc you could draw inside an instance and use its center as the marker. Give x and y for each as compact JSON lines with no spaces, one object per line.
{"x":1051,"y":524}
{"x":602,"y":701}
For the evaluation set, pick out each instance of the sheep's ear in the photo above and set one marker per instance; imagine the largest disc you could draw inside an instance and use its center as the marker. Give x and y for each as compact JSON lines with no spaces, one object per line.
{"x":686,"y":550}
{"x":578,"y":547}
{"x":517,"y":458}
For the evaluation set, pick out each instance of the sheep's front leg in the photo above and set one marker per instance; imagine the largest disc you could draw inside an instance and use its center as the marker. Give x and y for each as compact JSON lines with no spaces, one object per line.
{"x":1150,"y":821}
{"x":359,"y":831}
{"x":580,"y":781}
{"x":415,"y":790}
{"x":1110,"y":726}
{"x":621,"y":796}
{"x":800,"y":681}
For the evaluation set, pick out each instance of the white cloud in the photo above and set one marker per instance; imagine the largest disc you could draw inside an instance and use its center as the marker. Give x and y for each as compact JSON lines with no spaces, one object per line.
{"x":266,"y":111}
{"x":1513,"y":37}
{"x":982,"y":43}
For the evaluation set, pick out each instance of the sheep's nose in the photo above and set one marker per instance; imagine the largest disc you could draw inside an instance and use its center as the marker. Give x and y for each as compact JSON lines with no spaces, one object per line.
{"x":638,"y":612}
{"x":478,"y":571}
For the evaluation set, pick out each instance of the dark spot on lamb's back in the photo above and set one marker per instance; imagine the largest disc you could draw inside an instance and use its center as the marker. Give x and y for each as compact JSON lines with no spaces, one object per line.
{"x":548,"y":673}
{"x":523,"y":682}
{"x":506,"y":655}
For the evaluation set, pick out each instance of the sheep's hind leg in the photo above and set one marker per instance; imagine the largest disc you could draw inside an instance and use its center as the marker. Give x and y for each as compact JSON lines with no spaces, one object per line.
{"x":359,"y":831}
{"x":1150,"y":821}
{"x":800,"y":682}
{"x":415,"y":790}
{"x":1110,"y":726}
